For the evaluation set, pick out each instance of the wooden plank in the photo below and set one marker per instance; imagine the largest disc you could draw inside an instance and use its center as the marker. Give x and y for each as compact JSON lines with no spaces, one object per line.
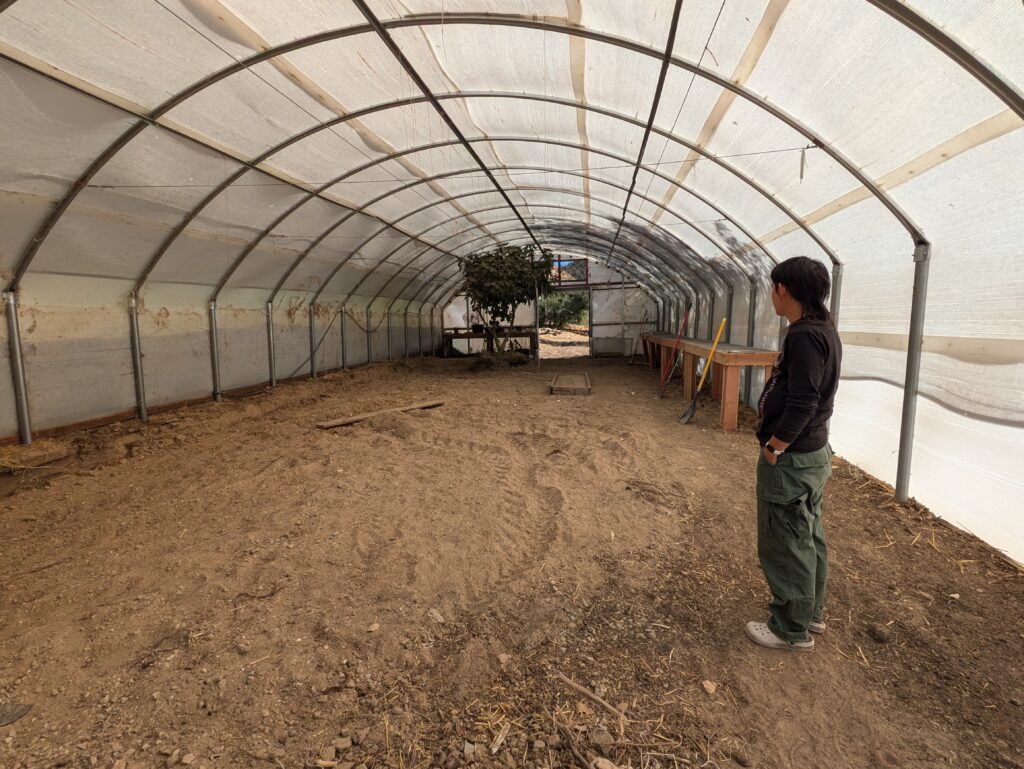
{"x":362,"y":417}
{"x":570,"y":384}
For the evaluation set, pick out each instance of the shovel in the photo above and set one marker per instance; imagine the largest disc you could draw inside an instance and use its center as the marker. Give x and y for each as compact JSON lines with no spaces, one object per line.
{"x":688,"y":414}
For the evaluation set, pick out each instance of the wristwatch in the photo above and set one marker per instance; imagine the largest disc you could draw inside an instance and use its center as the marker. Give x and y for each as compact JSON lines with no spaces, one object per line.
{"x":773,"y":450}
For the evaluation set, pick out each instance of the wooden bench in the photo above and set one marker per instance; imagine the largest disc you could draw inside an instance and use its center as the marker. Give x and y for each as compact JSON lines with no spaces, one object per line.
{"x":725,"y":372}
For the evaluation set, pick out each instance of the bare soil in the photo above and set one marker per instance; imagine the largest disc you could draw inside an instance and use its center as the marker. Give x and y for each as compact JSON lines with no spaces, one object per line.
{"x":569,"y":342}
{"x":230,"y":587}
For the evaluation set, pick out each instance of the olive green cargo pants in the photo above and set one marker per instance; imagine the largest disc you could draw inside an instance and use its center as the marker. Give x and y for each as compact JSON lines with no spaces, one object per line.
{"x":791,"y":540}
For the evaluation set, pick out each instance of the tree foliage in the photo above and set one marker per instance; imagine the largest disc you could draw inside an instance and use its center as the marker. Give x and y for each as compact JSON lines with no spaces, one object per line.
{"x":560,"y":308}
{"x":499,"y":280}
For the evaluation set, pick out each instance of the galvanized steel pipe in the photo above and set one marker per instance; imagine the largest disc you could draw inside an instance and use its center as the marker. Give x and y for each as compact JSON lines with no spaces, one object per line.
{"x":18,"y":368}
{"x":271,"y":355}
{"x":344,"y":341}
{"x":915,"y":342}
{"x":136,"y":339}
{"x":369,"y":337}
{"x":312,"y":341}
{"x":214,"y":351}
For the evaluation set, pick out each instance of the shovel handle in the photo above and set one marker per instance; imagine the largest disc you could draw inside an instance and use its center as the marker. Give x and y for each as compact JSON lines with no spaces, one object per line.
{"x":711,"y":356}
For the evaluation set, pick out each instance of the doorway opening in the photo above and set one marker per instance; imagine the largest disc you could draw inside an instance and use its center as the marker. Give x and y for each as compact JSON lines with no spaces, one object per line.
{"x":565,"y":324}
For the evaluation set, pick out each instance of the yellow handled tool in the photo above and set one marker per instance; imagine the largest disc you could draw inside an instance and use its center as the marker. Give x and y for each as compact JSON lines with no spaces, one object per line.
{"x":688,"y":414}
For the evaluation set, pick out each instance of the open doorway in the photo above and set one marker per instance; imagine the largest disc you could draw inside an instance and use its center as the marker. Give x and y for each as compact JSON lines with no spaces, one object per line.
{"x":565,"y":324}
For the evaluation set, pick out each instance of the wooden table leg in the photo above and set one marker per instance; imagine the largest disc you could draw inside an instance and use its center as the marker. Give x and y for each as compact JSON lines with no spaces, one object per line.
{"x":730,"y":397}
{"x":666,"y":362}
{"x":716,"y":381}
{"x":689,"y":375}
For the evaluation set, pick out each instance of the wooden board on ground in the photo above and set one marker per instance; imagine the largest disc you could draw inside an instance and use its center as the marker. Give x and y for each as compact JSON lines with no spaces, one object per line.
{"x":570,"y":384}
{"x":362,"y":417}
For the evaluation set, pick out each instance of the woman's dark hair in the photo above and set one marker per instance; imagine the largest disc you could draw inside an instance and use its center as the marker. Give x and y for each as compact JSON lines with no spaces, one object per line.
{"x":807,"y":281}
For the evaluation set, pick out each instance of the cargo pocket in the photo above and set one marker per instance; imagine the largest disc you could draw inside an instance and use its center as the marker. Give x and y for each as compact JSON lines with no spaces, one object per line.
{"x":784,"y":501}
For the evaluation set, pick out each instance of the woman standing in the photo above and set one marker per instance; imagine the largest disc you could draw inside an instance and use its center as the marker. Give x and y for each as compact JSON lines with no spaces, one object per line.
{"x":796,"y":459}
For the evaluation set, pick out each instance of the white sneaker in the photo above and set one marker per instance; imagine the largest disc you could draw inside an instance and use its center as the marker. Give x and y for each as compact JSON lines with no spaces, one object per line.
{"x":759,"y":633}
{"x":816,"y":626}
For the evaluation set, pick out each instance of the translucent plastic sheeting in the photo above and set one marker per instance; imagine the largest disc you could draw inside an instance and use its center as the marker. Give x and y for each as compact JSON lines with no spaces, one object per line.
{"x":274,"y":23}
{"x":149,"y":52}
{"x":222,"y":229}
{"x":250,"y":111}
{"x":617,"y":315}
{"x":332,"y":249}
{"x":355,"y":337}
{"x":971,"y":207}
{"x":31,"y":176}
{"x":905,"y":109}
{"x":134,"y":201}
{"x":991,"y":29}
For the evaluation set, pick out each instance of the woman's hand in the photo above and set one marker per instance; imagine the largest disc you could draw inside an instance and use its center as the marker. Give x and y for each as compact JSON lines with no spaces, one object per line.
{"x":769,"y":456}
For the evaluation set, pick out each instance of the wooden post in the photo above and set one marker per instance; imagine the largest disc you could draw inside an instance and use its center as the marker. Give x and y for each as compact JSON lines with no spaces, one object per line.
{"x":730,"y":397}
{"x":689,"y":375}
{"x":666,"y":361}
{"x":716,"y":380}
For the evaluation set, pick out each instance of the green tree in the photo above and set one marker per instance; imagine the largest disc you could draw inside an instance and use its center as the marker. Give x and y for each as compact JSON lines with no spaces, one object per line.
{"x":499,"y":280}
{"x":560,"y":308}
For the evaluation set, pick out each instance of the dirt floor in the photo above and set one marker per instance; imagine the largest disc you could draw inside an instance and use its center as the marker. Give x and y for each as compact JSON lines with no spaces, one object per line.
{"x":571,"y":342}
{"x":229,"y":586}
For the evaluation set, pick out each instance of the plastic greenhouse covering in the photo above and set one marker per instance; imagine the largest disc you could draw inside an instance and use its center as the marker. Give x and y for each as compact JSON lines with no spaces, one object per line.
{"x":193,"y":191}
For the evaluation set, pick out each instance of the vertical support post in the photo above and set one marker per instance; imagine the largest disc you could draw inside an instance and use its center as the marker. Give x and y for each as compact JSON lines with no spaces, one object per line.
{"x":388,"y":318}
{"x":837,"y":291}
{"x":536,"y":321}
{"x":140,"y":385}
{"x":915,"y":342}
{"x":312,"y":340}
{"x":369,"y":337}
{"x":622,"y":314}
{"x":405,"y":332}
{"x":419,"y":331}
{"x":215,"y":352}
{"x":18,"y":368}
{"x":344,"y":339}
{"x":751,"y":321}
{"x":727,"y":334}
{"x":271,"y":354}
{"x":590,"y":324}
{"x":713,"y":298}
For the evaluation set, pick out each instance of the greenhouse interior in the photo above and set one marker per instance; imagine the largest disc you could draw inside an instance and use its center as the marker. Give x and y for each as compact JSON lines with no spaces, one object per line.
{"x":277,"y":492}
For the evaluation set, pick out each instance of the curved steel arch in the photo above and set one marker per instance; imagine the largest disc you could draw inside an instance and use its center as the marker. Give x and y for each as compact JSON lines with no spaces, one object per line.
{"x":498,"y":139}
{"x":434,"y":261}
{"x":707,"y":236}
{"x":626,"y":266}
{"x":680,"y":282}
{"x":727,"y":281}
{"x":744,"y":179}
{"x":413,"y":278}
{"x":476,"y":19}
{"x":338,"y":267}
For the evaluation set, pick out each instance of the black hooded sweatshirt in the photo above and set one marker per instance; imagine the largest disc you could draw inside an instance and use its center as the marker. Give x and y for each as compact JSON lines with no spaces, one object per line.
{"x":798,"y":397}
